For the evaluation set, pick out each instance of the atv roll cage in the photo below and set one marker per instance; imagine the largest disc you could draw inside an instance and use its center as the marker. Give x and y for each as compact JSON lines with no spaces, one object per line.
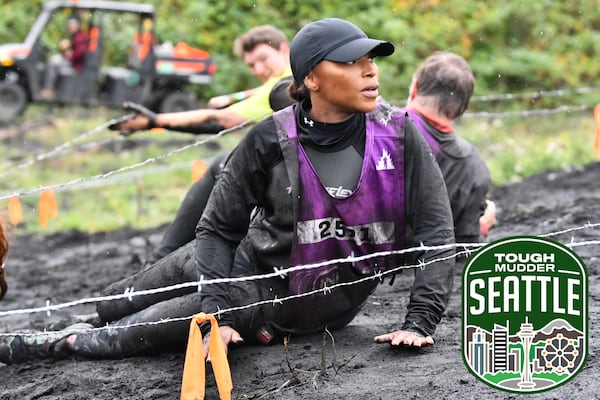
{"x":156,"y":76}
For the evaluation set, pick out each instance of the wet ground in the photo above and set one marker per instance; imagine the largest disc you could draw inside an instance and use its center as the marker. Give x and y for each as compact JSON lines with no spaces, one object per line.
{"x":72,"y":266}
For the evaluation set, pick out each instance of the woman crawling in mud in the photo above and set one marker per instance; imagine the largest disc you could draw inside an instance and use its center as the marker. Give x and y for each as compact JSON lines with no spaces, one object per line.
{"x":338,"y":174}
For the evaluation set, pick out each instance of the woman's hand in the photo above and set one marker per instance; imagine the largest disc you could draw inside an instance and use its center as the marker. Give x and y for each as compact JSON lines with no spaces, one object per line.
{"x":228,"y":335}
{"x":407,"y":338}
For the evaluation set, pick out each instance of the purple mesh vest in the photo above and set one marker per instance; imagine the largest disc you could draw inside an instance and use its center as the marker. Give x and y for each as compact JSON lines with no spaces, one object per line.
{"x":371,"y":219}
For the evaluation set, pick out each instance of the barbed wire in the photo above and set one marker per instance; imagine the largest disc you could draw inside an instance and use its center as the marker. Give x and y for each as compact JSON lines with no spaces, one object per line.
{"x":130,"y":292}
{"x":587,"y":225}
{"x":527,"y":113}
{"x":68,"y":146}
{"x":147,"y":161}
{"x":58,"y":150}
{"x":325,"y":290}
{"x":534,"y":95}
{"x":379,"y":275}
{"x":130,"y":176}
{"x":277,"y":273}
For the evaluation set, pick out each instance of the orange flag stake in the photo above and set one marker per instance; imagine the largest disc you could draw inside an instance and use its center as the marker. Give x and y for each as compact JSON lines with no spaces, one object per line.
{"x":198,"y":170}
{"x":193,"y":383}
{"x":48,"y":207}
{"x":597,"y":138}
{"x":15,"y":211}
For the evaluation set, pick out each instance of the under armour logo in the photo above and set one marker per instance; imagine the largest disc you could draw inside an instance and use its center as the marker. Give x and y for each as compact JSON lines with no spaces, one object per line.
{"x":309,"y":122}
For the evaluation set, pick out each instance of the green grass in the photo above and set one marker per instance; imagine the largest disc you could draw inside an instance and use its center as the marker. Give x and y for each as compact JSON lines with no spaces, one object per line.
{"x":148,"y":196}
{"x":140,"y":197}
{"x":517,"y":147}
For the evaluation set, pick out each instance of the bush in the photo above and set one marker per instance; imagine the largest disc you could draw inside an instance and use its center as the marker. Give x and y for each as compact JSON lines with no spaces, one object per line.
{"x":525,"y":45}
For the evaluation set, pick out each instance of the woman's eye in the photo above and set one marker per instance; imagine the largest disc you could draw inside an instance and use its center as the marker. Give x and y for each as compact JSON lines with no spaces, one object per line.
{"x":370,"y":59}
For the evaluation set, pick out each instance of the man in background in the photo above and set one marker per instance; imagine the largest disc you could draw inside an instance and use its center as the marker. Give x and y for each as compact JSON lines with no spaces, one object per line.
{"x":265,"y":50}
{"x":439,"y":94}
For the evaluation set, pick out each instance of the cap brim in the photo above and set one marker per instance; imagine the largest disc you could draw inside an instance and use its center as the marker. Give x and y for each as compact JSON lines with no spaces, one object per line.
{"x":358,"y":48}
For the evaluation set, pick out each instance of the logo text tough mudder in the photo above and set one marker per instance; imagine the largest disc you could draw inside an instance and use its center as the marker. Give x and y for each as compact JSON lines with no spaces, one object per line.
{"x":524,"y":314}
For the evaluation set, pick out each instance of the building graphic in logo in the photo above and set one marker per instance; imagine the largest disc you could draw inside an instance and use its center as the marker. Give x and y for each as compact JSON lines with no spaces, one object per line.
{"x":524,"y":326}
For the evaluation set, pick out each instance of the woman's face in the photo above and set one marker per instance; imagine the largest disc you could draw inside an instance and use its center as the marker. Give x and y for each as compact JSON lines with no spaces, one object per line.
{"x":340,"y":89}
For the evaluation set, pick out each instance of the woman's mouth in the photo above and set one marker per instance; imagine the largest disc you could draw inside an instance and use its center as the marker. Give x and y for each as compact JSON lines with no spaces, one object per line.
{"x":371,"y":91}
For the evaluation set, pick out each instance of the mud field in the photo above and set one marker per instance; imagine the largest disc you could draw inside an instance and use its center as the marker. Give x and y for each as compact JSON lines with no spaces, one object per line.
{"x":73,"y":266}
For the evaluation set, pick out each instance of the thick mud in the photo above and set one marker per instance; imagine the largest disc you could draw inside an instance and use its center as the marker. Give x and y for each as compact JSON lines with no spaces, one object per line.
{"x":348,"y":365}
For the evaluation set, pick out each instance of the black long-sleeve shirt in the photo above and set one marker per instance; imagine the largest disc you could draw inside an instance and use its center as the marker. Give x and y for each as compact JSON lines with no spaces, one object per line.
{"x":468,"y":182}
{"x":255,"y":178}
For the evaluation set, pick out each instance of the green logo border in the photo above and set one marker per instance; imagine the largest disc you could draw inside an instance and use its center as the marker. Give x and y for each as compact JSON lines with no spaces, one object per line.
{"x":472,"y":259}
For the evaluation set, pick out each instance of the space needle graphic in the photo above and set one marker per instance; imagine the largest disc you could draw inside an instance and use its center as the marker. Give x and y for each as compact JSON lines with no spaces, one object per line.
{"x":526,"y":334}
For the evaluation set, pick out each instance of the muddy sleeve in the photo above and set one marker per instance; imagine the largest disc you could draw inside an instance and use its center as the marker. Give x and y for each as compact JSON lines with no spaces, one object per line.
{"x":468,"y":203}
{"x":429,"y":222}
{"x":467,"y":220}
{"x":239,"y":189}
{"x":210,"y":126}
{"x":182,"y":229}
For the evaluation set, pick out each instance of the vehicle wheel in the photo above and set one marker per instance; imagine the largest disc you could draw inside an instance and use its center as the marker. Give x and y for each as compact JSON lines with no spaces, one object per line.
{"x":178,"y":101}
{"x":13,"y":100}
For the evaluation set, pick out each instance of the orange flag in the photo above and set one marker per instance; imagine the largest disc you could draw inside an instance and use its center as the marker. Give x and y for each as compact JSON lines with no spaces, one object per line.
{"x":193,"y":383}
{"x":48,"y":207}
{"x":15,"y":211}
{"x":198,"y":170}
{"x":597,"y":138}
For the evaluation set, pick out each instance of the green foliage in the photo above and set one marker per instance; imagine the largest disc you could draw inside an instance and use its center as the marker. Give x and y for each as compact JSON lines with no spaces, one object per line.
{"x":512,"y":47}
{"x":519,"y":45}
{"x":515,"y":148}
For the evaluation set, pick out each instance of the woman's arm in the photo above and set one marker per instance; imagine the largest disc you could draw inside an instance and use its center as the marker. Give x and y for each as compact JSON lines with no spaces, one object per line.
{"x":429,"y":222}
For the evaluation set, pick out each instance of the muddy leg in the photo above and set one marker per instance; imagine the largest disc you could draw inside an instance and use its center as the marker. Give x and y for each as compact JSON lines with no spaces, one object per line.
{"x":119,"y":341}
{"x":177,"y":267}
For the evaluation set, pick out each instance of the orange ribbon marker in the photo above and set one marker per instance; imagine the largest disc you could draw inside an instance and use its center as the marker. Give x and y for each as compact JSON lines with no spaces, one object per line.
{"x":597,"y":138}
{"x":198,"y":170}
{"x":48,"y":207}
{"x":194,"y":376}
{"x":15,"y":211}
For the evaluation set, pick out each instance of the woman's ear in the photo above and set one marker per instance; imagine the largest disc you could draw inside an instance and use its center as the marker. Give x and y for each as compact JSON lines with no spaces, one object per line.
{"x":311,"y":82}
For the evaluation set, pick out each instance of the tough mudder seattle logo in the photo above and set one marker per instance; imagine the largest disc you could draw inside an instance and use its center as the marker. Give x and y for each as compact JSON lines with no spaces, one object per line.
{"x":524,"y":314}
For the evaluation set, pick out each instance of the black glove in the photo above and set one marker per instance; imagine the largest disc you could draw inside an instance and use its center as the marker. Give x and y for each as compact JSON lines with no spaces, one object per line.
{"x":115,"y":124}
{"x":210,"y":126}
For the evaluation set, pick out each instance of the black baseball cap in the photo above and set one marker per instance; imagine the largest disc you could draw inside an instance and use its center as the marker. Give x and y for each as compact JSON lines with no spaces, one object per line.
{"x":331,"y":39}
